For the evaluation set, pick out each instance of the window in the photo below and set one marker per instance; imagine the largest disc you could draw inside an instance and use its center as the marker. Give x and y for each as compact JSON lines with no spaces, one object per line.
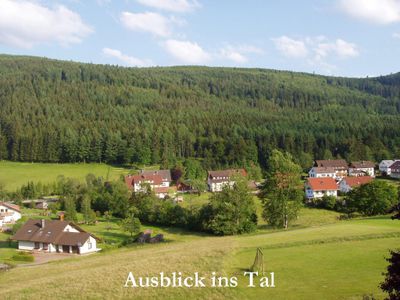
{"x":89,"y":245}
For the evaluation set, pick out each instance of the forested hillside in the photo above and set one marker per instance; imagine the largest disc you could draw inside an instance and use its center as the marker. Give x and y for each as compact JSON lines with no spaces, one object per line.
{"x":55,"y":111}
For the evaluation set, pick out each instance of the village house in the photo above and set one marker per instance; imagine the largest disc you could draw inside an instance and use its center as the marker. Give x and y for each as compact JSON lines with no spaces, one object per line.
{"x":384,"y":166}
{"x":349,"y":183}
{"x":320,"y":187}
{"x":9,"y":213}
{"x":164,"y":174}
{"x":216,"y":180}
{"x":362,"y":168}
{"x":339,"y":165}
{"x":137,"y":183}
{"x":317,"y":172}
{"x":55,"y":237}
{"x":395,"y":170}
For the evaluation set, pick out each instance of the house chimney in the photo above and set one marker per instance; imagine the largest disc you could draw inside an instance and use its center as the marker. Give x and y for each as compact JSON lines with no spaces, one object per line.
{"x":43,"y":223}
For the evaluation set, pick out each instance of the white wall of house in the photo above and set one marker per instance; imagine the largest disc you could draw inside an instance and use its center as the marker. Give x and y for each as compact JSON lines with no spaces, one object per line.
{"x":344,"y":187}
{"x":89,"y":246}
{"x":319,"y":194}
{"x":165,"y":184}
{"x":395,"y":175}
{"x":218,"y":186}
{"x":313,"y":174}
{"x":9,"y":215}
{"x":368,"y":171}
{"x":24,"y":245}
{"x":69,"y":228}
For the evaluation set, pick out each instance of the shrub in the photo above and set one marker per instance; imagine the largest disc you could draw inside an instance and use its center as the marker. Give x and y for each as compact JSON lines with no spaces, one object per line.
{"x":23,"y":256}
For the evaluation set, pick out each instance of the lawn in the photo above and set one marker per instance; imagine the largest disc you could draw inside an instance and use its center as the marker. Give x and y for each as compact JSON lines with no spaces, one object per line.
{"x":321,"y":259}
{"x":15,"y":174}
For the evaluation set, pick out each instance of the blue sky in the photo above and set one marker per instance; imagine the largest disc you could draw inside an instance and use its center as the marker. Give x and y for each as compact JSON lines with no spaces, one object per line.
{"x":337,"y":37}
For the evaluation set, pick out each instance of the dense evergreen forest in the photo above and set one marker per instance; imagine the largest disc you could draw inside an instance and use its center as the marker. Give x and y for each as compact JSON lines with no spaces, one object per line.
{"x":58,"y":111}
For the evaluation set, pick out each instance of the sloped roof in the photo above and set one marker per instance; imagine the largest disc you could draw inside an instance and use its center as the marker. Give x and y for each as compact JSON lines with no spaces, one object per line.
{"x":11,"y":206}
{"x":395,"y":165}
{"x":322,"y":184}
{"x":165,"y":174}
{"x":362,"y":164}
{"x":322,"y":170}
{"x":130,"y":180}
{"x":227,"y":173}
{"x":333,"y":163}
{"x":52,"y":232}
{"x":356,"y":181}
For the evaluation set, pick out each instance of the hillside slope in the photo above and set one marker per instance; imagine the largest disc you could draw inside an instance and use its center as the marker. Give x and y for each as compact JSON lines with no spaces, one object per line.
{"x":57,"y":111}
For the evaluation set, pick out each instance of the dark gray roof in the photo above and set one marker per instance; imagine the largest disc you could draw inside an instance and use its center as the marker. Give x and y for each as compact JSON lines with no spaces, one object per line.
{"x":52,"y":232}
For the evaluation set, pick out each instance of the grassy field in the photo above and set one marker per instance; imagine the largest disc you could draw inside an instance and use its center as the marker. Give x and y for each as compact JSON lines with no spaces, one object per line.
{"x":319,"y":258}
{"x":15,"y":174}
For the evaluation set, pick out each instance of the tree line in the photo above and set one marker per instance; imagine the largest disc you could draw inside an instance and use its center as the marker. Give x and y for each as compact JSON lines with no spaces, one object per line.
{"x":54,"y":111}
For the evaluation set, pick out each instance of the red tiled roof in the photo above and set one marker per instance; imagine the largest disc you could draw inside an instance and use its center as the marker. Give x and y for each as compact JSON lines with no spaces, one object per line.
{"x":11,"y":206}
{"x":322,"y":184}
{"x":356,"y":181}
{"x":130,"y":180}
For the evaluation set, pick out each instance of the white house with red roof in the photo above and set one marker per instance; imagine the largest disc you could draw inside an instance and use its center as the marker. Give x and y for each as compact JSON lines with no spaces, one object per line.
{"x":9,"y":213}
{"x":164,"y":174}
{"x":137,"y":183}
{"x":320,"y":187}
{"x":349,"y":183}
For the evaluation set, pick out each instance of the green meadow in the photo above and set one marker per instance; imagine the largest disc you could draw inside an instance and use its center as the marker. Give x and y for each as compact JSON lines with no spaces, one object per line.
{"x":320,"y":257}
{"x":15,"y":174}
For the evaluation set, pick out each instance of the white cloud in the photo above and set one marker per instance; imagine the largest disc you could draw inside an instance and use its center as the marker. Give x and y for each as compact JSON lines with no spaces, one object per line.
{"x":27,"y":23}
{"x":178,"y":6}
{"x":147,"y":22}
{"x":291,"y":47}
{"x":374,"y":11}
{"x":233,"y":55}
{"x":187,"y":52}
{"x":126,"y":59}
{"x":340,"y":48}
{"x":319,"y":47}
{"x":237,"y":54}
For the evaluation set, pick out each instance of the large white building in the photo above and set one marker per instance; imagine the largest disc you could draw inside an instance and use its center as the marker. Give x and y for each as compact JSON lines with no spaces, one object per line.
{"x":9,"y":213}
{"x":339,"y":165}
{"x":318,"y":172}
{"x":157,"y":182}
{"x":217,"y":180}
{"x":55,"y":236}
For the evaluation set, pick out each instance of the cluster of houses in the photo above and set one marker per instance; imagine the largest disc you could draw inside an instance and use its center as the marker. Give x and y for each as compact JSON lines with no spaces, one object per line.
{"x":327,"y":177}
{"x":160,"y":181}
